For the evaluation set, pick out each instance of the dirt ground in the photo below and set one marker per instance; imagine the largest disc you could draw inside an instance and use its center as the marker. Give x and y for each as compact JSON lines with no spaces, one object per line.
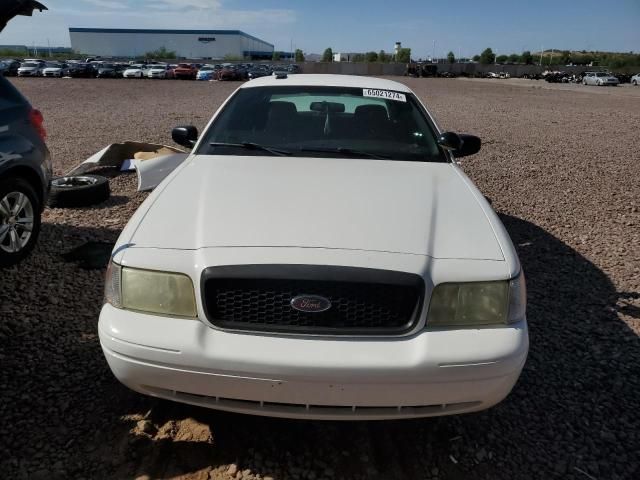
{"x":561,"y":165}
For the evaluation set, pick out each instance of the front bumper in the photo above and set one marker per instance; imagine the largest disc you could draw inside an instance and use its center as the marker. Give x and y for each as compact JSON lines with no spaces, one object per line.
{"x":426,"y":374}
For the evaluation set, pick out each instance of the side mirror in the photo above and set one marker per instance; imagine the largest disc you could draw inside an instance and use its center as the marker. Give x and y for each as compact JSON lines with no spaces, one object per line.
{"x":186,"y":135}
{"x":461,"y":145}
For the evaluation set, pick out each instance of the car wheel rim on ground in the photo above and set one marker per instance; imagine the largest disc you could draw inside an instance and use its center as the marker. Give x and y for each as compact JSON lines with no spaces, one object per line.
{"x":16,"y":222}
{"x":76,"y":181}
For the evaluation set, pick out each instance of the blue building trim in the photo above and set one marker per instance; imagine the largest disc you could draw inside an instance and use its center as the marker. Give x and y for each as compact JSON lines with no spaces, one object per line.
{"x":168,"y":32}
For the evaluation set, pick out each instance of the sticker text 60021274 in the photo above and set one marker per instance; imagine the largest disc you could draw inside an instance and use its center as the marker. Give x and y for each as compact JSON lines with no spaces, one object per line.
{"x":386,"y":94}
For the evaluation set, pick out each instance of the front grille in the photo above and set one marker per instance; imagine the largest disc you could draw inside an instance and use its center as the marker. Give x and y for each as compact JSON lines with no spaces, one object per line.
{"x":363,"y":301}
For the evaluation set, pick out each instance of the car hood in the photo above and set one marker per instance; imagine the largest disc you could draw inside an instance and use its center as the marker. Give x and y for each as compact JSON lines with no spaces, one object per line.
{"x":333,"y":203}
{"x":28,"y":68}
{"x":53,"y":69}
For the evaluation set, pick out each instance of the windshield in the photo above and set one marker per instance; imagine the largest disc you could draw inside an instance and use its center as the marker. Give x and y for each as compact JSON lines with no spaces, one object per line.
{"x":184,"y":65}
{"x":29,"y":64}
{"x":310,"y":121}
{"x":602,"y":74}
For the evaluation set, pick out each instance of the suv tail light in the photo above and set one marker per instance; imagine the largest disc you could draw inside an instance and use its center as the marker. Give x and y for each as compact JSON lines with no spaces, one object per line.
{"x":37,"y":120}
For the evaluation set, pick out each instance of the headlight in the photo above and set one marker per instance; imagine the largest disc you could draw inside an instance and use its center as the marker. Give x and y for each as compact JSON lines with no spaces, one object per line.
{"x":150,"y":291}
{"x":478,"y":303}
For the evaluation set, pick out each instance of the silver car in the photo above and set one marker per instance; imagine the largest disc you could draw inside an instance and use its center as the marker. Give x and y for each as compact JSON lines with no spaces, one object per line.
{"x":30,"y":69}
{"x":600,"y":79}
{"x":635,"y":80}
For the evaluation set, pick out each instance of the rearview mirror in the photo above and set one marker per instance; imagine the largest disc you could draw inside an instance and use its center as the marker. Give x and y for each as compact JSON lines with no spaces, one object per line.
{"x":461,"y":145}
{"x":332,"y":107}
{"x":185,"y":135}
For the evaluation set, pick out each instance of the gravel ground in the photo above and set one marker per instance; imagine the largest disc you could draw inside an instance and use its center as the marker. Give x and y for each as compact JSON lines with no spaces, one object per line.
{"x":561,"y":166}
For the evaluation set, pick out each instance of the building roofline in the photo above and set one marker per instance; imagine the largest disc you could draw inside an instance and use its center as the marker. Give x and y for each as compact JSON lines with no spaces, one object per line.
{"x":169,"y":32}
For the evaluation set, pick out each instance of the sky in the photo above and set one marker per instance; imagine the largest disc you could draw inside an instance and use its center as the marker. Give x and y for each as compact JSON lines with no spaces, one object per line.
{"x":465,"y":27}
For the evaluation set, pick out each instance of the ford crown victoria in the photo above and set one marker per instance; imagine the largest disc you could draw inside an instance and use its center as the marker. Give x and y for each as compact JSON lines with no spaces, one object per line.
{"x":319,"y":254}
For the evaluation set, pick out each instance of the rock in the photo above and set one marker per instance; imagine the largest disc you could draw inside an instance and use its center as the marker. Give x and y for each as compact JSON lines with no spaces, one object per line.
{"x":145,"y":426}
{"x":232,"y":470}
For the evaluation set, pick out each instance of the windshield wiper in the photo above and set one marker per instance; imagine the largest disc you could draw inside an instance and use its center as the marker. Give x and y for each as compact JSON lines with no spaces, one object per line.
{"x":346,"y":151}
{"x":253,"y":146}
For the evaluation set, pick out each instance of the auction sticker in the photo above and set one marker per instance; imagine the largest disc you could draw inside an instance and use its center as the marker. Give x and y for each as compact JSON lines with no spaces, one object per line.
{"x":386,"y":94}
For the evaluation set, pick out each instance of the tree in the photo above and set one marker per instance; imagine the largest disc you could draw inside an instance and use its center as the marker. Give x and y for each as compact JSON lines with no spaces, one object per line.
{"x":327,"y":56}
{"x":404,"y":55}
{"x":451,"y":58}
{"x":487,"y":57}
{"x":565,"y":57}
{"x":476,"y":58}
{"x":502,"y":59}
{"x":275,"y":57}
{"x":370,"y":57}
{"x":299,"y":55}
{"x":526,"y":58}
{"x":514,"y":58}
{"x":384,"y":57}
{"x":160,"y":53}
{"x":357,"y":58}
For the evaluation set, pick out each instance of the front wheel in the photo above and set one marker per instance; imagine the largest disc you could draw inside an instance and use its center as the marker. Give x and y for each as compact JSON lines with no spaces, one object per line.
{"x":635,"y":83}
{"x":19,"y":220}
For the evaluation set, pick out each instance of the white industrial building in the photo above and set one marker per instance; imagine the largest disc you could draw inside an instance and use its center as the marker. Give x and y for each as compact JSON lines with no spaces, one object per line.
{"x":194,"y":44}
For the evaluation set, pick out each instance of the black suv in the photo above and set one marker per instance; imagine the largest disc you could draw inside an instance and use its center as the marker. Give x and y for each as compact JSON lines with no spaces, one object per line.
{"x":82,"y":70}
{"x":25,"y":174}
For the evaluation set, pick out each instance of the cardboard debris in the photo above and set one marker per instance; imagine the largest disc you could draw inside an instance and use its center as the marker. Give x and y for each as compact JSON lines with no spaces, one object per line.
{"x":151,"y":161}
{"x":115,"y":154}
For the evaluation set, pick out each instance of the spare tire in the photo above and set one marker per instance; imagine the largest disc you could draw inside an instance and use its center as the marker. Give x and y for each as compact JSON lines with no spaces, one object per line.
{"x":78,"y":191}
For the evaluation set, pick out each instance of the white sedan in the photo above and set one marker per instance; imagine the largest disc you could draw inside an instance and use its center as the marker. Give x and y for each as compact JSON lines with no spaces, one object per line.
{"x":158,"y":71}
{"x":55,"y":70}
{"x":320,"y":255}
{"x":135,"y":71}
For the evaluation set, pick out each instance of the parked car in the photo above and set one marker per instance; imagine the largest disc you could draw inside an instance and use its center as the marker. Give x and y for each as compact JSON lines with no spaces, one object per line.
{"x":600,"y":79}
{"x":186,"y":71}
{"x":9,"y":67}
{"x":55,"y":69}
{"x":228,"y":72}
{"x":110,"y":70}
{"x":368,"y":278}
{"x":635,"y":80}
{"x":206,"y":73}
{"x":30,"y":69}
{"x":160,"y":71}
{"x":258,"y":72}
{"x":135,"y":71}
{"x":25,"y":174}
{"x":82,"y":70}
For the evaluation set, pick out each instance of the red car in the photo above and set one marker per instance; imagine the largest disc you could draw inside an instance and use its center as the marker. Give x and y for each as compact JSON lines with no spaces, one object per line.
{"x":186,"y":71}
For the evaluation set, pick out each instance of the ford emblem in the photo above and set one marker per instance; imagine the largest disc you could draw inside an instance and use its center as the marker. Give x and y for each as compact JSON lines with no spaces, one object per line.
{"x":310,"y":303}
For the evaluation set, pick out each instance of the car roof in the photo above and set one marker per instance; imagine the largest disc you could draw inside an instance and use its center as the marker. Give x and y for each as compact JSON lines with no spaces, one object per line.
{"x":328,"y":81}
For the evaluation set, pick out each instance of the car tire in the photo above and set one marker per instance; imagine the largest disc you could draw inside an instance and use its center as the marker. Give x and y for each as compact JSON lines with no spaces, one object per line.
{"x":14,"y":248}
{"x":635,"y":83}
{"x":78,"y":191}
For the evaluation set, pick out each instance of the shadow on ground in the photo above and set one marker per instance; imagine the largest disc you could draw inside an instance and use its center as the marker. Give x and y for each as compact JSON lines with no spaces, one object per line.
{"x":577,"y":394}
